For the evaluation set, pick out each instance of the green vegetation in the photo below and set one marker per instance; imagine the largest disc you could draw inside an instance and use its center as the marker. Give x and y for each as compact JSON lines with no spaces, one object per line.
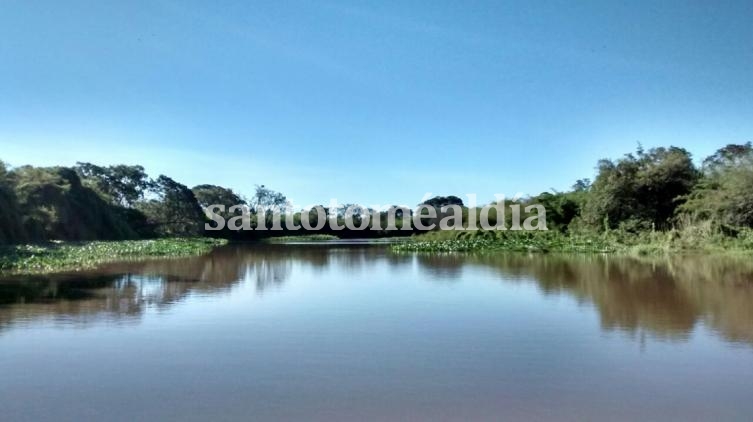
{"x":59,"y":256}
{"x":89,"y":202}
{"x":514,"y":241}
{"x":725,"y":193}
{"x":303,"y":238}
{"x":121,"y":202}
{"x":640,"y":191}
{"x":698,"y":238}
{"x":650,"y":202}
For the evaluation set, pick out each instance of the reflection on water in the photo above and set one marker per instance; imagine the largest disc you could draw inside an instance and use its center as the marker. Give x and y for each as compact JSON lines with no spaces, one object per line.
{"x":353,"y":332}
{"x":666,"y":299}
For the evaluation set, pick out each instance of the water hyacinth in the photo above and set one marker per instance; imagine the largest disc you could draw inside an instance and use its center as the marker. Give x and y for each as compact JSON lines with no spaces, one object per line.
{"x":59,"y":256}
{"x":302,"y":238}
{"x":463,"y":241}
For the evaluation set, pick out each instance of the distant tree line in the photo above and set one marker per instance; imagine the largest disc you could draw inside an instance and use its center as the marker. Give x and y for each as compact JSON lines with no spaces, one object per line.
{"x":91,"y":202}
{"x":659,"y":189}
{"x":654,"y":189}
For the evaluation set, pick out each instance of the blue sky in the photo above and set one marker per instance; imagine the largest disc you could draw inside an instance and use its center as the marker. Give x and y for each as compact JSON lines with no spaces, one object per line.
{"x":371,"y":102}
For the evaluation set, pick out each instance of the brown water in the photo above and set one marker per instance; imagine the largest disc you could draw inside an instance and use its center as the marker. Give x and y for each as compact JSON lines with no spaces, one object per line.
{"x":353,"y":332}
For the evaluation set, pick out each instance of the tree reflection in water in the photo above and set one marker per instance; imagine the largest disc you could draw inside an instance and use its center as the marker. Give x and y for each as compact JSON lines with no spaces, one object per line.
{"x":666,"y":299}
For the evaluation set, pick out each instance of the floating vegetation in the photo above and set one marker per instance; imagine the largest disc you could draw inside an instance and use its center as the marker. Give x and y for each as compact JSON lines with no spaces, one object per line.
{"x":302,"y":238}
{"x":641,"y":244}
{"x":464,"y":241}
{"x":63,"y":256}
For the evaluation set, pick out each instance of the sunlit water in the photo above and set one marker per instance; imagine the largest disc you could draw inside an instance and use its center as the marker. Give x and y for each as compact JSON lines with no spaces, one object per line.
{"x":354,"y":332}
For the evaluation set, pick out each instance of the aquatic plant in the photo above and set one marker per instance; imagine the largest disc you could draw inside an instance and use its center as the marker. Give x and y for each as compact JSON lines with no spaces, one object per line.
{"x":60,"y":256}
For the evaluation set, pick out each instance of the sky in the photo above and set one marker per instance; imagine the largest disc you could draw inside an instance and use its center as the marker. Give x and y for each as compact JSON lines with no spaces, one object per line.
{"x":371,"y":102}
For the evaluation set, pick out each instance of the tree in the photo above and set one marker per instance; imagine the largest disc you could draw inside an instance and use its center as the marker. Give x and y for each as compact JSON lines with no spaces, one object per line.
{"x":441,"y":201}
{"x":730,"y":156}
{"x":437,"y":203}
{"x":353,"y":213}
{"x":122,"y":184}
{"x":561,"y":207}
{"x":208,"y":195}
{"x":725,"y":193}
{"x":315,"y":213}
{"x":640,"y":191}
{"x":211,"y":194}
{"x":56,"y":205}
{"x":174,"y":211}
{"x":266,"y":199}
{"x":582,"y":185}
{"x":11,"y":227}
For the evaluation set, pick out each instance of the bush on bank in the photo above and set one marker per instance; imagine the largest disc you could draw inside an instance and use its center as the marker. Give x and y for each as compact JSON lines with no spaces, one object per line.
{"x":696,"y":238}
{"x":59,"y":256}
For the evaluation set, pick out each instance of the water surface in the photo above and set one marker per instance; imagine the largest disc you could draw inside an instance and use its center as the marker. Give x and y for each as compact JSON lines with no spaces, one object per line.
{"x":352,"y":332}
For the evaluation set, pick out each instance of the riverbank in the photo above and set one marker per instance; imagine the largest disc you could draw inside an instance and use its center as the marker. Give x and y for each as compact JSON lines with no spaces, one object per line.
{"x":67,"y":256}
{"x":301,"y":238}
{"x":642,"y":244}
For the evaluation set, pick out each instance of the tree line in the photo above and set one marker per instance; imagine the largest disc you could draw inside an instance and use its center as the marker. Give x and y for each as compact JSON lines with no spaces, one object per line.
{"x":648,"y":190}
{"x":119,"y":202}
{"x":659,"y":189}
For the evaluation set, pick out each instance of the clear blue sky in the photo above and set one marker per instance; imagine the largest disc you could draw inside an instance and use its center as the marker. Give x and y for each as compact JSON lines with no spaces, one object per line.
{"x":373,"y":102}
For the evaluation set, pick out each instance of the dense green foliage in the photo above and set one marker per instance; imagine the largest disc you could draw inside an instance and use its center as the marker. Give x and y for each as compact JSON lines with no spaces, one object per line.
{"x":656,"y":196}
{"x":653,"y":201}
{"x":661,"y":189}
{"x":640,"y":191}
{"x":11,"y":224}
{"x":208,"y":195}
{"x":440,"y":201}
{"x":54,"y":204}
{"x":696,"y":238}
{"x":174,"y":211}
{"x":121,"y":184}
{"x":517,"y":241}
{"x":725,"y":193}
{"x":50,"y":257}
{"x":90,"y":202}
{"x":303,"y":238}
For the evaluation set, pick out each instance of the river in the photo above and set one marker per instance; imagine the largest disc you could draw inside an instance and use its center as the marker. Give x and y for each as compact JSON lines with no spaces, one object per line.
{"x":349,"y":331}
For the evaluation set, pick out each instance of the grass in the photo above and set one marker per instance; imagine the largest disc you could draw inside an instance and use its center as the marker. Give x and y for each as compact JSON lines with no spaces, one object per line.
{"x":64,"y":256}
{"x":302,"y":238}
{"x":462,"y":241}
{"x":682,"y":240}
